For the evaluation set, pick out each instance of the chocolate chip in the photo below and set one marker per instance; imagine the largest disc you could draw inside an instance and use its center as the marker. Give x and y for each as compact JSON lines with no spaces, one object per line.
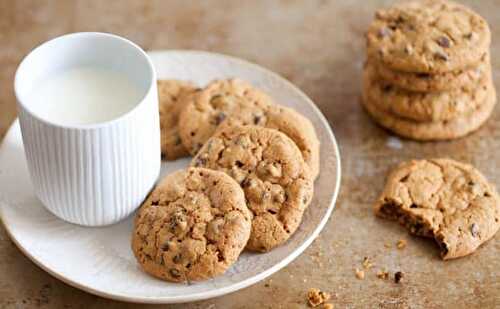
{"x":257,"y":119}
{"x":239,"y":164}
{"x":413,"y":206}
{"x":220,"y":117}
{"x":200,"y":162}
{"x":245,"y":183}
{"x":220,"y":256}
{"x":155,"y":202}
{"x":469,"y":35}
{"x":470,"y":183}
{"x":272,"y":212}
{"x":441,"y":56}
{"x":177,"y":140}
{"x":175,"y":273}
{"x":474,"y":230}
{"x":165,"y":246}
{"x":384,"y":32}
{"x":305,"y":199}
{"x":177,"y":259}
{"x":386,"y":88}
{"x":443,"y":42}
{"x":266,"y":195}
{"x":423,"y":75}
{"x":398,"y":276}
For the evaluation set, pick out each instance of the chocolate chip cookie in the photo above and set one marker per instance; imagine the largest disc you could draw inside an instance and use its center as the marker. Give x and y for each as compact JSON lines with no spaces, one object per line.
{"x":421,"y":106}
{"x":208,"y":108}
{"x":429,"y":36}
{"x":444,"y":199}
{"x":193,"y":226}
{"x":425,"y":82}
{"x":269,"y":167}
{"x":286,"y":120}
{"x":172,"y":98}
{"x":436,"y":130}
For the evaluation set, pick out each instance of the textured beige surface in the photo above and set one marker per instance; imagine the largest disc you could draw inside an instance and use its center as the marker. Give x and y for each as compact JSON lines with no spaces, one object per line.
{"x":319,"y":46}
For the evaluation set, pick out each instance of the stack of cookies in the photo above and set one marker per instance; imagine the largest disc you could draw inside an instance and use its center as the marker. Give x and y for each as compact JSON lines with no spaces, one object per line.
{"x":428,"y":72}
{"x":247,"y":187}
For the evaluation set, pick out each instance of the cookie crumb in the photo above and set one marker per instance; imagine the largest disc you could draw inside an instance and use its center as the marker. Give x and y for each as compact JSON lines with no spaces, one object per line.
{"x":316,"y":297}
{"x":360,"y":274}
{"x":328,"y":306}
{"x":387,"y":245}
{"x":367,"y":264}
{"x":383,"y":274}
{"x":401,"y":244}
{"x":398,"y":277}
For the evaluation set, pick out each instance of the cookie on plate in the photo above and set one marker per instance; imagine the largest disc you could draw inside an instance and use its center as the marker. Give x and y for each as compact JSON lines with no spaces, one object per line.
{"x":428,"y":36}
{"x":436,"y":130}
{"x":277,"y":182}
{"x":220,"y":99}
{"x":444,"y":199}
{"x":286,"y":120}
{"x":421,"y":106}
{"x":425,"y":82}
{"x":192,"y":227}
{"x":172,"y":98}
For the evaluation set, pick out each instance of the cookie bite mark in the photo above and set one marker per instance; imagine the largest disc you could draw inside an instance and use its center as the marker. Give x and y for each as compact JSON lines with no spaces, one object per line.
{"x":443,"y":199}
{"x":269,"y":167}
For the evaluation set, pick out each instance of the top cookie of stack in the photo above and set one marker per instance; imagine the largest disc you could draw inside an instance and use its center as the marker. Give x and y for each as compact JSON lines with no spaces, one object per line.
{"x":428,"y":73}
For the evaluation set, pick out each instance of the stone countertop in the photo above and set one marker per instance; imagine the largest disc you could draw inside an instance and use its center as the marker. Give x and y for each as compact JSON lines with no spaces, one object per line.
{"x":319,"y":46}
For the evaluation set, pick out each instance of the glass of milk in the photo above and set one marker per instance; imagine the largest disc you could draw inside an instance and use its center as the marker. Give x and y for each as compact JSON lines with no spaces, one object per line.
{"x":88,"y":110}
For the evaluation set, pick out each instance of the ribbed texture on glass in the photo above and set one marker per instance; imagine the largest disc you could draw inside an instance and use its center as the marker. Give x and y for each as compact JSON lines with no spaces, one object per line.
{"x":94,"y":176}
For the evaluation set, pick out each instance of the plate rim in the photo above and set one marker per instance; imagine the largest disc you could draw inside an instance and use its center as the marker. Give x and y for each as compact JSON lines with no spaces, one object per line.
{"x":238,"y":285}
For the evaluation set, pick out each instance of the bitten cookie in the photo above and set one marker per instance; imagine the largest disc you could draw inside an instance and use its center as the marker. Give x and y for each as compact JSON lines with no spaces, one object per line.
{"x":424,"y":107}
{"x":277,"y":183}
{"x":425,"y":82}
{"x":444,"y":199}
{"x":192,"y":227}
{"x":286,"y":120}
{"x":220,"y":99}
{"x":428,"y":36}
{"x":172,"y":97}
{"x":437,"y":130}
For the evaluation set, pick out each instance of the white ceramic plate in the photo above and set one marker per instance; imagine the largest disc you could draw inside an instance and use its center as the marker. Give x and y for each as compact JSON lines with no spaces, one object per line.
{"x":99,"y":260}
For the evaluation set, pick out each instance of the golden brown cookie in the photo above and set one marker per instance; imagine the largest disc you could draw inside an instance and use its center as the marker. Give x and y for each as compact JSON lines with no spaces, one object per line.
{"x":192,"y":227}
{"x":421,"y":106}
{"x":426,"y":82}
{"x":286,"y":120}
{"x":428,"y":36}
{"x":437,"y":130}
{"x":277,"y":183}
{"x":220,"y":99}
{"x":172,"y":98}
{"x":444,"y":199}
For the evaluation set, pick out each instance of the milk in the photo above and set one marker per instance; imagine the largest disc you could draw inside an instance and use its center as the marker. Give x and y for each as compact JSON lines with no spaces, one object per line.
{"x":84,"y":95}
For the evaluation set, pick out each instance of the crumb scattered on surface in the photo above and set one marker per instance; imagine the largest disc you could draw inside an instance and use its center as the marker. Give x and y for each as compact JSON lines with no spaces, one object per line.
{"x":367,"y":264}
{"x":360,"y":274}
{"x":316,"y":297}
{"x":401,"y":244}
{"x":383,"y":274}
{"x":398,"y":277}
{"x":387,"y":245}
{"x":327,"y":306}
